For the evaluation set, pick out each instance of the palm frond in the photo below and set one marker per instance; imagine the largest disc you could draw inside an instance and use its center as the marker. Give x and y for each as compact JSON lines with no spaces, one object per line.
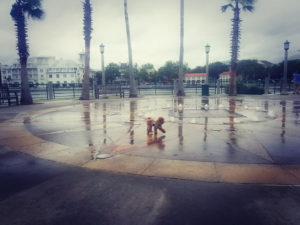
{"x":87,"y":20}
{"x":248,"y":5}
{"x":36,"y":13}
{"x":15,"y":11}
{"x":224,"y":7}
{"x":249,"y":8}
{"x":32,"y":8}
{"x":247,"y":2}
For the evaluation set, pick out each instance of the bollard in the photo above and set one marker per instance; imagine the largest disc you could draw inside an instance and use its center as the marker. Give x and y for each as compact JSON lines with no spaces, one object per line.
{"x":50,"y":91}
{"x":205,"y":90}
{"x":267,"y":79}
{"x":218,"y":86}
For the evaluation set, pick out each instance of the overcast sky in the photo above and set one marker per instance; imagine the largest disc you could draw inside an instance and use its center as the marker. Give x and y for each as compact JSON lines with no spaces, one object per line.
{"x":155,"y":28}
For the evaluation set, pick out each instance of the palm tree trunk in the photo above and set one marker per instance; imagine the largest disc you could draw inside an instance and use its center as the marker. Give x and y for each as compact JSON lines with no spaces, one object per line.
{"x":26,"y":98}
{"x":85,"y":95}
{"x":234,"y":48}
{"x":87,"y":28}
{"x":132,"y":91}
{"x":180,"y":90}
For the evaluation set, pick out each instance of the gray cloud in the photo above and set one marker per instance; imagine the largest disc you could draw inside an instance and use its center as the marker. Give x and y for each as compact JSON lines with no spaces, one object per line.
{"x":155,"y":31}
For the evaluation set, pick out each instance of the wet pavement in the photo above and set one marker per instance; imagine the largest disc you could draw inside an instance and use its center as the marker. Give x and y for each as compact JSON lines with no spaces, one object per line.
{"x":208,"y":130}
{"x":240,"y":140}
{"x":211,"y":146}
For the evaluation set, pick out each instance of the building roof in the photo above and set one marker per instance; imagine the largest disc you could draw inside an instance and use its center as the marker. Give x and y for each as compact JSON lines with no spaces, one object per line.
{"x":225,"y":73}
{"x":195,"y":74}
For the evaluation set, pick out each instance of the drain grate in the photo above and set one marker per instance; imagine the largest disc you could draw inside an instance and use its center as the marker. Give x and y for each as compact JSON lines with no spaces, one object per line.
{"x":103,"y":156}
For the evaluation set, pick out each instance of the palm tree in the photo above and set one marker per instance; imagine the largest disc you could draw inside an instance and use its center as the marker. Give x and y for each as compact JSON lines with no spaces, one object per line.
{"x":180,"y":88}
{"x":87,"y":30}
{"x":19,"y":11}
{"x":132,"y":90}
{"x":236,"y":6}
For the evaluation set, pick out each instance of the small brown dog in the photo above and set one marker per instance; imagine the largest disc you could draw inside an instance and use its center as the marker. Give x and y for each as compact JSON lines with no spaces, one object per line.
{"x":156,"y":124}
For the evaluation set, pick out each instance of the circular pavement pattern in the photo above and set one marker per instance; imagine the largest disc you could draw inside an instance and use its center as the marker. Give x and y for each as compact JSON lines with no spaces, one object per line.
{"x":240,"y":140}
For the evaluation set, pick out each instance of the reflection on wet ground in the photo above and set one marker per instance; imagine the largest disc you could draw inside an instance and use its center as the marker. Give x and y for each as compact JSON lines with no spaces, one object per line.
{"x":215,"y":129}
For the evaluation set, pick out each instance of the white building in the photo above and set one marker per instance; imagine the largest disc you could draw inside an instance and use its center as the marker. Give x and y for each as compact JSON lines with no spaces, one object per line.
{"x":225,"y":77}
{"x":194,"y":78}
{"x":42,"y":70}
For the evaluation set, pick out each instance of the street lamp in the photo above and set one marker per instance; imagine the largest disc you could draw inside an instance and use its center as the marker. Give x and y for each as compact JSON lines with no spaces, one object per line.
{"x":207,"y":49}
{"x":284,"y":85}
{"x":103,"y":70}
{"x":205,"y":87}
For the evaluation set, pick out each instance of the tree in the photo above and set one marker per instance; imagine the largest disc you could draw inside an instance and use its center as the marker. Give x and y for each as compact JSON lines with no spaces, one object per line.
{"x":216,"y":69}
{"x":169,"y":71}
{"x":112,"y":71}
{"x":251,"y":70}
{"x":98,"y":77}
{"x":21,"y":10}
{"x":147,"y":73}
{"x":236,"y":6}
{"x":132,"y":90}
{"x":87,"y":30}
{"x":180,"y":88}
{"x":198,"y":69}
{"x":277,"y":70}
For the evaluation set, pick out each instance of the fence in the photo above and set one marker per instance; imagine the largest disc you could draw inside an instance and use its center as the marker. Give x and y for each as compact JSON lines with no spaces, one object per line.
{"x":41,"y":92}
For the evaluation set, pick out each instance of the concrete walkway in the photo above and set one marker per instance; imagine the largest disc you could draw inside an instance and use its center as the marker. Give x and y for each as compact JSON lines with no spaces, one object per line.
{"x":212,"y":141}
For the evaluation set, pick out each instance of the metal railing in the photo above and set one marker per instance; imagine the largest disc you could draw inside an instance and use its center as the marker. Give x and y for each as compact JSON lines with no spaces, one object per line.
{"x":41,"y":92}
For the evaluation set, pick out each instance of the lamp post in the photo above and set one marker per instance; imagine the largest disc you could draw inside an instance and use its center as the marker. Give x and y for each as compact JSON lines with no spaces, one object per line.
{"x":284,"y":85}
{"x":103,"y":70}
{"x":205,"y":87}
{"x":207,"y":49}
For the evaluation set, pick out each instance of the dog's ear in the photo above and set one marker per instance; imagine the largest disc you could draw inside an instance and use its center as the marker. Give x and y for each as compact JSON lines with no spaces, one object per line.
{"x":161,"y":120}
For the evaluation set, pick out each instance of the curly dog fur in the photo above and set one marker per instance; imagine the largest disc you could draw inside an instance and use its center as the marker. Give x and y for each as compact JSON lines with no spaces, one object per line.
{"x":157,"y":125}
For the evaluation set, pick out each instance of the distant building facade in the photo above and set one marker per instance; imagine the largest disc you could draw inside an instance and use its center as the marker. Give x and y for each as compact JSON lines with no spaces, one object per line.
{"x":225,"y":77}
{"x":194,"y":78}
{"x":42,"y":70}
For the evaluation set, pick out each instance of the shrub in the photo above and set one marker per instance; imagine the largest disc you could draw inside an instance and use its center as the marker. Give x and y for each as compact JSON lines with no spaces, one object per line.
{"x":248,"y":89}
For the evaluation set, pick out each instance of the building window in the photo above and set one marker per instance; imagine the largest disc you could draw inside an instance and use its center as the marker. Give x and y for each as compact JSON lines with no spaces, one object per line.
{"x":50,"y":75}
{"x":57,"y":75}
{"x":65,"y":75}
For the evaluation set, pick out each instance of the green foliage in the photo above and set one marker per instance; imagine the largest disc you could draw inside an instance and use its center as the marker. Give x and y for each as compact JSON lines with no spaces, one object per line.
{"x":277,"y":70}
{"x":169,"y":71}
{"x":112,"y":71}
{"x":98,"y":77}
{"x":247,"y":89}
{"x":147,"y":73}
{"x":215,"y":69}
{"x":198,"y":69}
{"x":251,"y":70}
{"x":126,"y":72}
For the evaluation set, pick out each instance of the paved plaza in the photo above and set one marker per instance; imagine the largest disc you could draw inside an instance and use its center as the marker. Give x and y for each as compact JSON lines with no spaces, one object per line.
{"x":222,"y":160}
